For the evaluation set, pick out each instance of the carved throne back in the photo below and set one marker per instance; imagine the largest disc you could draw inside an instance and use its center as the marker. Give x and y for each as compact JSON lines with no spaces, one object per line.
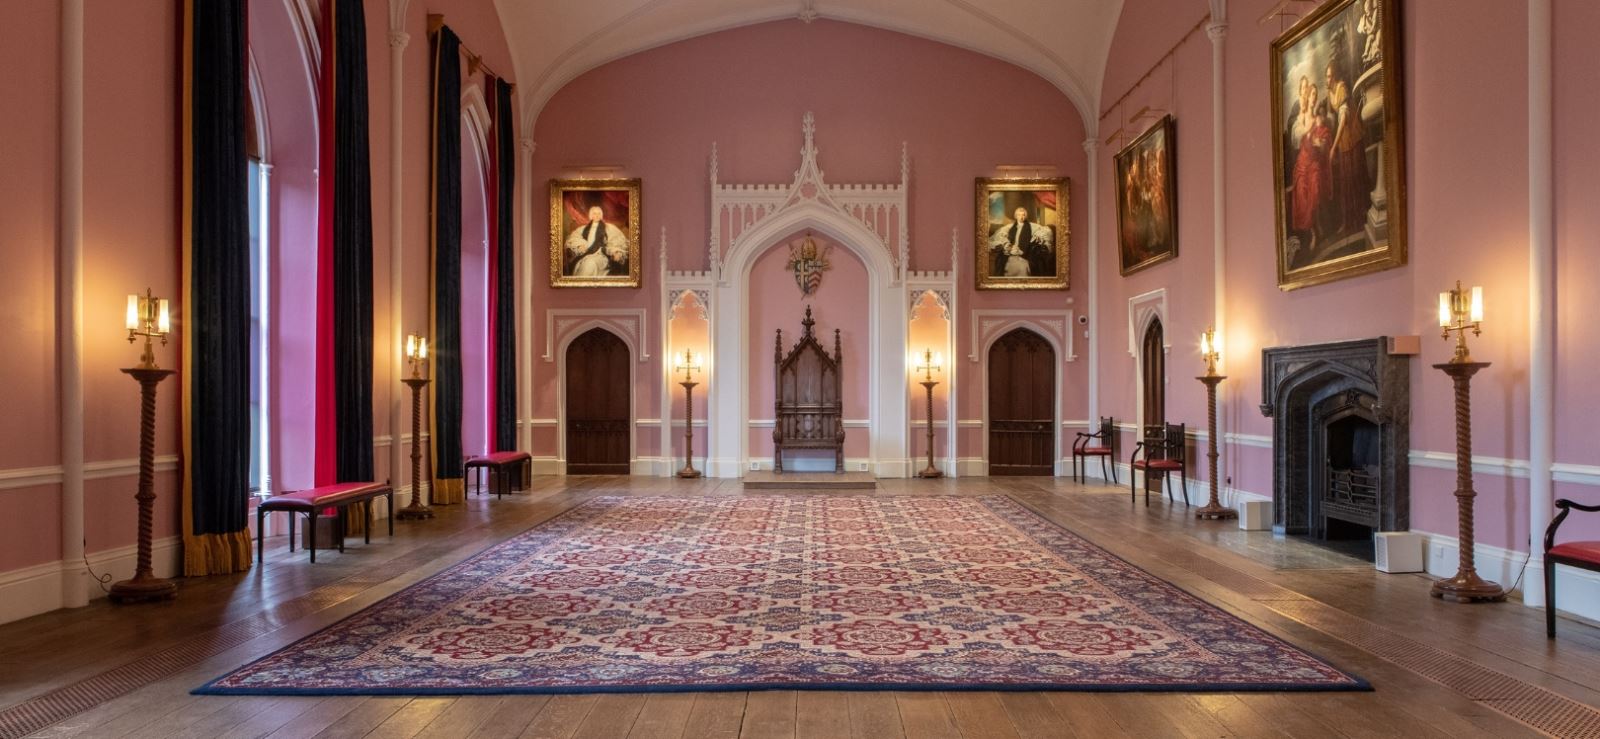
{"x":809,"y":407}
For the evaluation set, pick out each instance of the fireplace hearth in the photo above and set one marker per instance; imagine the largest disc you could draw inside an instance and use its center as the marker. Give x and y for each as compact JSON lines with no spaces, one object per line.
{"x":1341,"y":432}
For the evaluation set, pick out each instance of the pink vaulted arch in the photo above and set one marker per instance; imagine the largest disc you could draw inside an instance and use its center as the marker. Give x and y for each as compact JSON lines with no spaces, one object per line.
{"x":284,"y":57}
{"x":475,"y":137}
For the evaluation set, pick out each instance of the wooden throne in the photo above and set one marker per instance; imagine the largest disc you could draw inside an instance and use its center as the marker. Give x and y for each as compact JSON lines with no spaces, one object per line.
{"x":809,"y":407}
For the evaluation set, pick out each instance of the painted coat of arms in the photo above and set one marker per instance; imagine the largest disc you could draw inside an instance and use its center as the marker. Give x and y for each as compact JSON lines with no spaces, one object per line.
{"x":808,"y":264}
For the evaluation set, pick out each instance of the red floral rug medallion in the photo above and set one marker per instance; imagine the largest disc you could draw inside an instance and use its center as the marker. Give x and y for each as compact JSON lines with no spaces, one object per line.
{"x":788,"y":591}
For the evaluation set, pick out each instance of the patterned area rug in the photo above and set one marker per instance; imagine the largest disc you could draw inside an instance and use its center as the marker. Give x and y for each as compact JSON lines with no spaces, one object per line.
{"x":788,"y":591}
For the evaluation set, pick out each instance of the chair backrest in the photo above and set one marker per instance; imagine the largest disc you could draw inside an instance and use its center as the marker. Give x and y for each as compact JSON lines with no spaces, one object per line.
{"x":1108,"y":429}
{"x":1177,"y":441}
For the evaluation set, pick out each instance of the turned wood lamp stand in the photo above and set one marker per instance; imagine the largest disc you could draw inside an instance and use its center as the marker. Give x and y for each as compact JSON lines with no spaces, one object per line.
{"x":148,"y":316}
{"x":689,"y":364}
{"x":417,"y":355}
{"x":1214,"y":510}
{"x":930,"y":364}
{"x":1460,"y":312}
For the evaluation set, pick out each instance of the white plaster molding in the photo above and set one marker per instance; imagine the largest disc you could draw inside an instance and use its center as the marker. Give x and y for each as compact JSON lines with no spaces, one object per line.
{"x":1142,"y":308}
{"x":881,"y":210}
{"x":988,"y":324}
{"x":1542,"y":282}
{"x":1251,"y":440}
{"x":629,"y":323}
{"x":702,"y":302}
{"x":37,"y":589}
{"x":28,"y":477}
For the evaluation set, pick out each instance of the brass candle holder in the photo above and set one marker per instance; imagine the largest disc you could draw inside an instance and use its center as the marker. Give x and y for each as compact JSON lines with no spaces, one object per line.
{"x":931,"y":363}
{"x":689,"y":364}
{"x":1214,"y":509}
{"x":1461,"y":311}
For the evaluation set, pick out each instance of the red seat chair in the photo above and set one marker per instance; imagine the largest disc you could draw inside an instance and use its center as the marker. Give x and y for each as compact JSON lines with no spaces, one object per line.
{"x":1165,"y":451}
{"x":1580,"y":554}
{"x":496,"y":466}
{"x":1106,"y":450}
{"x":313,"y":501}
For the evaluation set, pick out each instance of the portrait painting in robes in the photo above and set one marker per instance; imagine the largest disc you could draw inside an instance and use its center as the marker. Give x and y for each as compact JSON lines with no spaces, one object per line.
{"x":1147,"y":202}
{"x":1022,"y":235}
{"x":594,"y":233}
{"x":1339,"y":144}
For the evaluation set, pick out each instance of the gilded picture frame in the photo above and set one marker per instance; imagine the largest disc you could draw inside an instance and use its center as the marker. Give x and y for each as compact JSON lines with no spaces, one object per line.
{"x":1147,"y":198}
{"x":1023,"y":233}
{"x":584,"y":253}
{"x":1338,"y":144}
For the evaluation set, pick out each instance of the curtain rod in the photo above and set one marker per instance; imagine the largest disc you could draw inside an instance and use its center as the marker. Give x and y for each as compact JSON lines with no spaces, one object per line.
{"x":474,"y":61}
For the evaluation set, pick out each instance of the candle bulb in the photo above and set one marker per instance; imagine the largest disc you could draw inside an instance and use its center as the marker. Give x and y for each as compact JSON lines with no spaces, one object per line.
{"x":133,"y":313}
{"x":1444,"y":309}
{"x":164,"y":319}
{"x":1477,"y":304}
{"x":422,"y":349}
{"x":411,"y":346}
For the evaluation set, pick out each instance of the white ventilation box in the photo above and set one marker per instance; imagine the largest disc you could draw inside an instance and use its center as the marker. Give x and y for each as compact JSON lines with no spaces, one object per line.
{"x":1397,"y":551}
{"x":1255,"y":515}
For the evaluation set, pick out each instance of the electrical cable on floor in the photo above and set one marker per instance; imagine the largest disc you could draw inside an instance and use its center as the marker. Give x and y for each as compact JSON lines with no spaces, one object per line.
{"x":1524,"y":569}
{"x":102,"y":579}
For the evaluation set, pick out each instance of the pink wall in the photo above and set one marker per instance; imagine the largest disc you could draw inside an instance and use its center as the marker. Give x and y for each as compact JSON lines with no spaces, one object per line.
{"x":870,"y":90}
{"x":840,"y":303}
{"x":1467,"y":186}
{"x":130,"y":229}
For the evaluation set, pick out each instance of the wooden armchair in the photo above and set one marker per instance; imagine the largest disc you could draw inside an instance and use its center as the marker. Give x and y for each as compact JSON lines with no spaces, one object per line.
{"x":1106,"y":450}
{"x":1581,"y":554}
{"x":1165,"y":451}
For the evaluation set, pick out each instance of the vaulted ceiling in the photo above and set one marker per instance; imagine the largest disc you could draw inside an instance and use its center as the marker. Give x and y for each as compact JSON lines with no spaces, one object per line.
{"x":1063,"y":41}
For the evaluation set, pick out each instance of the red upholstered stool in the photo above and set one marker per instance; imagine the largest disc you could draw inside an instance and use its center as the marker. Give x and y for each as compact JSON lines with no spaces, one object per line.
{"x":313,"y":501}
{"x":496,"y":466}
{"x":1581,"y":554}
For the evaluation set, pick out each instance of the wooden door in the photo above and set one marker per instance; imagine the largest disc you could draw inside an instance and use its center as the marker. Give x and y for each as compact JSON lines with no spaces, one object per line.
{"x":1153,"y":375}
{"x":1022,"y":405}
{"x":597,"y":413}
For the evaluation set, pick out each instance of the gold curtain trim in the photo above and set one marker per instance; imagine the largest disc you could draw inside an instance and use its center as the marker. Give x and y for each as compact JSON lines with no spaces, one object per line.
{"x":449,"y":491}
{"x":217,"y":554}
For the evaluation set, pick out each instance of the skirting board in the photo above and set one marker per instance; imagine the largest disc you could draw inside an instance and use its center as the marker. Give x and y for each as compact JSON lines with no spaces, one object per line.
{"x":34,"y":590}
{"x":1199,"y":490}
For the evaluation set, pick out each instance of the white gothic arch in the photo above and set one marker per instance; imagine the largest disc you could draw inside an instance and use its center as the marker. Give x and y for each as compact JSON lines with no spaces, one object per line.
{"x":870,"y":221}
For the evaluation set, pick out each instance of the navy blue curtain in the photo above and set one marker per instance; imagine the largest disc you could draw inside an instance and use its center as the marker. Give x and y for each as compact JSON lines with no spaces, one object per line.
{"x":505,"y":322}
{"x":446,"y":348}
{"x":352,"y":243}
{"x":216,"y":292}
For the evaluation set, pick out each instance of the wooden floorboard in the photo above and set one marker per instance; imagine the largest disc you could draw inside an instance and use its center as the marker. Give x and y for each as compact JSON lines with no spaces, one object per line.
{"x":1308,"y":595}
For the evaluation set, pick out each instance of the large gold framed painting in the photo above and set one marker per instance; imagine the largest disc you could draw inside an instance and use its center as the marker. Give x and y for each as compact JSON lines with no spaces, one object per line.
{"x":1339,"y":143}
{"x":1147,"y":199}
{"x":594,"y":233}
{"x":1022,"y":235}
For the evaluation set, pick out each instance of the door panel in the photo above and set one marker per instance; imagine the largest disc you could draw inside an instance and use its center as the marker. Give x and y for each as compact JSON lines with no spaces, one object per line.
{"x":597,"y":413}
{"x":1022,"y":405}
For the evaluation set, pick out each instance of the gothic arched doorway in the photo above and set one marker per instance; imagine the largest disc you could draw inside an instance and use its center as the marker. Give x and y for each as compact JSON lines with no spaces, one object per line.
{"x":597,"y":413}
{"x":1153,"y":374}
{"x":1022,"y":404}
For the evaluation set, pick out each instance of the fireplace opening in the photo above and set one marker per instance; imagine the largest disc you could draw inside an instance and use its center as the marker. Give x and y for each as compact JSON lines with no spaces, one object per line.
{"x":1345,"y":499}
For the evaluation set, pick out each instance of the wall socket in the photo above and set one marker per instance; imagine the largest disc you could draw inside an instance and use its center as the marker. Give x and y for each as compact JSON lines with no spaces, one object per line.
{"x":755,"y":466}
{"x":861,"y":466}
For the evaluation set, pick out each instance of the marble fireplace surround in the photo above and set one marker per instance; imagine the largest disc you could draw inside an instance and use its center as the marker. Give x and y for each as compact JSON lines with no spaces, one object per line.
{"x":1296,"y":380}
